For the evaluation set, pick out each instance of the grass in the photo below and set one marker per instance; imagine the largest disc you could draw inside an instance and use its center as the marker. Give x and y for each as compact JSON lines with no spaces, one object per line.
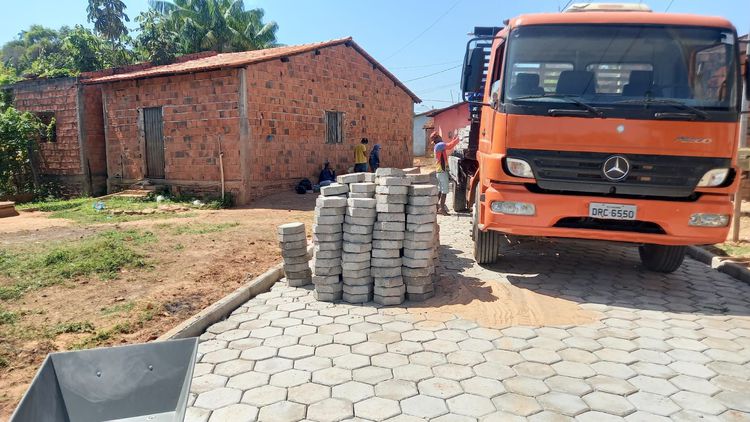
{"x":74,"y":327}
{"x":202,"y":228}
{"x":102,"y":336}
{"x":104,"y":255}
{"x":741,"y":249}
{"x":7,"y":317}
{"x":118,"y":308}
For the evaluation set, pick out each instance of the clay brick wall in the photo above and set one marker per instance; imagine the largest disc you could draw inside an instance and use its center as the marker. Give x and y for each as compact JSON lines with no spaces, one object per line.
{"x":62,"y":157}
{"x":286,"y":106}
{"x":200,"y":113}
{"x":93,"y":135}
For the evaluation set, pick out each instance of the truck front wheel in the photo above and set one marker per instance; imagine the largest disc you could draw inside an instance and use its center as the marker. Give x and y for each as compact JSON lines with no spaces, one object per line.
{"x":662,"y":258}
{"x":486,"y":244}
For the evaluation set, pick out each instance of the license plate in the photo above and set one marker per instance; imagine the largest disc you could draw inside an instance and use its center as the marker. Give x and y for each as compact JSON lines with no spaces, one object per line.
{"x":612,"y":211}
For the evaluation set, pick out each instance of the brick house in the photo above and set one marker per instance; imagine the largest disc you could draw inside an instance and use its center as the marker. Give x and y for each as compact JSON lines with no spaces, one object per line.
{"x":74,"y":154}
{"x":273,"y":116}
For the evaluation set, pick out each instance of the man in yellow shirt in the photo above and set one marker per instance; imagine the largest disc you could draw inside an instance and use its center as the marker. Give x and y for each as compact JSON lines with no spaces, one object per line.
{"x":360,"y":156}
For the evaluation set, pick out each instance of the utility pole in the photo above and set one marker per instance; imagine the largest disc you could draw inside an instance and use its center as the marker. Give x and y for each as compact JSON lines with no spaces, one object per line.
{"x":741,"y":142}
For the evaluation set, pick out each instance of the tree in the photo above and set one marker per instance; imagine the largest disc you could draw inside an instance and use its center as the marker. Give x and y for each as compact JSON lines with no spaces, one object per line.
{"x":85,"y":50}
{"x":108,"y":17}
{"x":156,"y":41}
{"x":218,"y":25}
{"x":18,"y":133}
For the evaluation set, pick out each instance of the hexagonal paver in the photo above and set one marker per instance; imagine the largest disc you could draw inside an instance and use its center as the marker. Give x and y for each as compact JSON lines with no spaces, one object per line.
{"x":465,"y":357}
{"x":653,"y":403}
{"x":376,"y":408}
{"x":316,"y":339}
{"x":609,"y":403}
{"x":313,"y":363}
{"x":308,"y":393}
{"x":351,"y":361}
{"x":440,"y":346}
{"x":219,"y":356}
{"x":372,"y":374}
{"x":332,"y":376}
{"x":273,"y":365}
{"x":266,"y":332}
{"x":653,"y":385}
{"x":573,"y":369}
{"x":282,"y":411}
{"x":405,"y":347}
{"x":330,"y":410}
{"x":516,"y":404}
{"x":389,"y":360}
{"x":353,"y":391}
{"x":233,"y":367}
{"x":452,"y":371}
{"x":418,"y":335}
{"x":428,"y":358}
{"x":540,"y":355}
{"x":412,"y":372}
{"x":248,"y":380}
{"x":384,"y":337}
{"x":290,"y":378}
{"x":470,"y":405}
{"x":568,"y":385}
{"x":532,"y":370}
{"x":396,"y":389}
{"x":698,"y":402}
{"x":218,"y":398}
{"x":562,"y":403}
{"x":481,"y":386}
{"x":259,"y":353}
{"x":494,"y":370}
{"x":439,"y":387}
{"x":612,"y":385}
{"x":207,"y":382}
{"x":369,"y":348}
{"x":504,"y":357}
{"x":423,"y":406}
{"x":349,"y":338}
{"x":263,"y":396}
{"x":332,"y":350}
{"x":296,"y":351}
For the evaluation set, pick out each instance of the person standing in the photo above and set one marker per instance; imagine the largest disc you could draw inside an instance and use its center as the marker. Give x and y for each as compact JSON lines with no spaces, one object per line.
{"x":442,"y":150}
{"x":360,"y":156}
{"x":375,"y":158}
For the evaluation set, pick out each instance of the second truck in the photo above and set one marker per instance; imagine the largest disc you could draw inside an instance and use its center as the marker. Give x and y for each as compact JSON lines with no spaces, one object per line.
{"x":605,"y":122}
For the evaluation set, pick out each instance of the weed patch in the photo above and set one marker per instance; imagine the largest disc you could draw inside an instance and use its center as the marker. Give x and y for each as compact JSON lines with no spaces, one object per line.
{"x":103,"y":255}
{"x":7,"y":317}
{"x":203,"y":228}
{"x":74,"y":327}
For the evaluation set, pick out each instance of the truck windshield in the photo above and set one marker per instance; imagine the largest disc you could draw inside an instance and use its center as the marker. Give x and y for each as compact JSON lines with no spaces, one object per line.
{"x":623,"y":68}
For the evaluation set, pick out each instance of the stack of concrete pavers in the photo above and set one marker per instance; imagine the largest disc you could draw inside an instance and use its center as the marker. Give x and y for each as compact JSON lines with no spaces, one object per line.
{"x":420,"y":242}
{"x":358,"y":224}
{"x":293,"y":244}
{"x":391,"y":196}
{"x":330,"y":208}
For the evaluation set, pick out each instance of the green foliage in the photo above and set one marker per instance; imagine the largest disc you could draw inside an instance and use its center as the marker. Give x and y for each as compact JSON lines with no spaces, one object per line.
{"x":108,"y":17}
{"x":102,"y":255}
{"x":218,"y":25}
{"x":103,"y":336}
{"x":54,"y":205}
{"x":18,"y":132}
{"x":74,"y":327}
{"x":203,"y":228}
{"x":118,"y":308}
{"x":86,"y":50}
{"x":7,"y":317}
{"x":156,"y":41}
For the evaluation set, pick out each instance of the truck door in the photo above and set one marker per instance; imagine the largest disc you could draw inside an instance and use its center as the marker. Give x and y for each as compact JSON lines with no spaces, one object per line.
{"x":492,"y":127}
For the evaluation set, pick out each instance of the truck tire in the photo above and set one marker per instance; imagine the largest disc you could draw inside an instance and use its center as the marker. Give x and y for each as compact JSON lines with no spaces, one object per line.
{"x":662,"y":258}
{"x":459,"y":194}
{"x":486,"y":244}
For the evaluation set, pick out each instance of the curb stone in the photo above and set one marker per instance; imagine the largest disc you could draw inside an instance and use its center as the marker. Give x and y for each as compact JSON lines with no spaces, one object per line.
{"x":219,"y":310}
{"x":719,"y":263}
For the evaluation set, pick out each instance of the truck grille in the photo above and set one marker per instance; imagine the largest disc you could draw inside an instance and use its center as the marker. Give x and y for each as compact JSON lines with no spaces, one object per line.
{"x":649,"y":175}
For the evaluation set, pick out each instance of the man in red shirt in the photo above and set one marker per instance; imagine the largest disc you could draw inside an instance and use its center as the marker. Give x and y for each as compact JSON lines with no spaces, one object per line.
{"x":442,"y":151}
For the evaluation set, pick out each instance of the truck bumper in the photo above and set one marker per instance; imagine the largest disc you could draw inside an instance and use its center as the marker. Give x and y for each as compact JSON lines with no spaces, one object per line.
{"x":670,"y":216}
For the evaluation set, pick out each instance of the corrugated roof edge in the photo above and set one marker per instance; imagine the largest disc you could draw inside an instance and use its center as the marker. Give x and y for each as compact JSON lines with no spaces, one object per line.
{"x":287,"y":51}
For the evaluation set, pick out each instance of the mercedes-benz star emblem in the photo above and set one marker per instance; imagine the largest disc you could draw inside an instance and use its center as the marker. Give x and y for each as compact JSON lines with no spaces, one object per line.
{"x":616,"y":168}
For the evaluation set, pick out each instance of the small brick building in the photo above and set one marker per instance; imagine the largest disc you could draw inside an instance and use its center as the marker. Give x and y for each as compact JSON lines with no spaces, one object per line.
{"x":74,"y":155}
{"x":273,"y":116}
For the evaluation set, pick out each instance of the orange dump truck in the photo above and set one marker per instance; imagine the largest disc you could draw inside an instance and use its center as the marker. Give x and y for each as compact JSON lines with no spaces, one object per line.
{"x":604,"y":122}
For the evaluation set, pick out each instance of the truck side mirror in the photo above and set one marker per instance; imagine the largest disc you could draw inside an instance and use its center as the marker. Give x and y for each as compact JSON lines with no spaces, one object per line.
{"x":471,"y":79}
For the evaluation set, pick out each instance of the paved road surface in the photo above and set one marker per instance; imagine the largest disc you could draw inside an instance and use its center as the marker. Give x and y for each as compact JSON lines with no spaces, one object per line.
{"x":655,"y":347}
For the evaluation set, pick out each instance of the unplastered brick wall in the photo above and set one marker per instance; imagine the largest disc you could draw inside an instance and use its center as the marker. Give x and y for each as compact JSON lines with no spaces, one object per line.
{"x":201,"y":115}
{"x":63,"y":156}
{"x":93,"y":135}
{"x":287,"y":101}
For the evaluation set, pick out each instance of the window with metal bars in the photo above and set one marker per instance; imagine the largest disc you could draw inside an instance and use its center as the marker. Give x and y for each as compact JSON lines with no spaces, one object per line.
{"x":334,"y":121}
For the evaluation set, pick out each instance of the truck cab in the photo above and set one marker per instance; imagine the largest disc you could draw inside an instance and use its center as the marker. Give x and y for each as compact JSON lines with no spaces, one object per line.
{"x":603,"y":122}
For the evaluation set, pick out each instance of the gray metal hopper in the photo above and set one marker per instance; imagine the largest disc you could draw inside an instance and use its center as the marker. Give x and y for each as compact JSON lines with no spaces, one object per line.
{"x":136,"y":383}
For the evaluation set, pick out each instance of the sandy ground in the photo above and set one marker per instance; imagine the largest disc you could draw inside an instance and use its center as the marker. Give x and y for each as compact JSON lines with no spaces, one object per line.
{"x":188,"y":272}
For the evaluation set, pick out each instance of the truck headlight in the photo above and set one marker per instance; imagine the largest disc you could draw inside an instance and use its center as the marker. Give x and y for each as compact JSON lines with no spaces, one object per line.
{"x":519,"y":168}
{"x":708,"y":220}
{"x":713,"y":178}
{"x":513,"y":208}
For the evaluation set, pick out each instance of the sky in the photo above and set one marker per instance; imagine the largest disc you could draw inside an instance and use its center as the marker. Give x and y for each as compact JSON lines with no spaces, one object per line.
{"x":421,"y":42}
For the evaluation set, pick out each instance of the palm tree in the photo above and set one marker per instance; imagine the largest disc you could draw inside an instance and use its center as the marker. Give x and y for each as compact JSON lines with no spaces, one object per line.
{"x":219,"y":25}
